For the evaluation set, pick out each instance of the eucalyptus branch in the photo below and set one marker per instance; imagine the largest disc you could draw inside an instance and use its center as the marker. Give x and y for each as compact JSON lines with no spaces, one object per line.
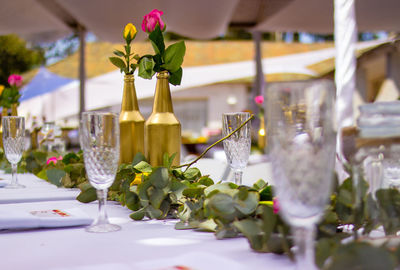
{"x":187,"y":165}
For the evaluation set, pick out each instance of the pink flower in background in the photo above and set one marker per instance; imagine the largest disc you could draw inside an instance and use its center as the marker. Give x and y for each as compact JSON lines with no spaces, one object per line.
{"x":151,"y":20}
{"x":15,"y":80}
{"x":259,"y":100}
{"x":275,"y":206}
{"x":53,"y":160}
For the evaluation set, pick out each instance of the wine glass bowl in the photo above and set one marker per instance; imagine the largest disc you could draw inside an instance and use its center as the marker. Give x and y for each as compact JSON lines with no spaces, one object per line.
{"x":237,"y":146}
{"x":99,"y":137}
{"x":300,"y":126}
{"x":13,"y":144}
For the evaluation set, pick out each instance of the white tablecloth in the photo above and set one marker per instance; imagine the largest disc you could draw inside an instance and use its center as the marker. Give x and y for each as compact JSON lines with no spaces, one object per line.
{"x":139,"y":245}
{"x":36,"y":190}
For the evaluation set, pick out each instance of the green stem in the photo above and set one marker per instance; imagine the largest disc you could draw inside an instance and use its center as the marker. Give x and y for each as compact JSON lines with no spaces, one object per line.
{"x":187,"y":165}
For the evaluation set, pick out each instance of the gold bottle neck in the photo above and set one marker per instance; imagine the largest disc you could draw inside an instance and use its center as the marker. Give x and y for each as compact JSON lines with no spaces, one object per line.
{"x":129,"y":99}
{"x":162,"y":97}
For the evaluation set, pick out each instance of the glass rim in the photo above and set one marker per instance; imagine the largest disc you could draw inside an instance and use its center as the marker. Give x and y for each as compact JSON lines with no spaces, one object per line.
{"x":12,"y":117}
{"x":237,"y":113}
{"x":99,"y":113}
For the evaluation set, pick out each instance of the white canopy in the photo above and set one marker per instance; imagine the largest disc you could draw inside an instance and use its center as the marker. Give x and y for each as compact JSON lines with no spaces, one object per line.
{"x":106,"y":90}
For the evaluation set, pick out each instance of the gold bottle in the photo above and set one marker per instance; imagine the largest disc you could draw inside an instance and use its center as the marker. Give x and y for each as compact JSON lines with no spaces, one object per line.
{"x":163,"y":130}
{"x":131,"y":123}
{"x":14,"y":111}
{"x":262,"y":138}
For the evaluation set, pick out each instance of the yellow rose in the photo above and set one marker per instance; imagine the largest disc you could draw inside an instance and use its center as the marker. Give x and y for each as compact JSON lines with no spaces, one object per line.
{"x":138,"y":178}
{"x":1,"y":88}
{"x":130,"y":31}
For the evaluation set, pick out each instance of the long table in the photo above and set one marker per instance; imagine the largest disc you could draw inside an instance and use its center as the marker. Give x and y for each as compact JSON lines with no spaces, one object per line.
{"x":143,"y":245}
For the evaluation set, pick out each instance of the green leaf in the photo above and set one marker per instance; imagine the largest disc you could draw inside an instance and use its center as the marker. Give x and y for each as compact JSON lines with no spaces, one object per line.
{"x":207,"y":226}
{"x":173,"y":57}
{"x":192,"y":174}
{"x":260,"y":184}
{"x":156,"y":197}
{"x":361,"y":256}
{"x":55,"y":176}
{"x":157,"y":40}
{"x":143,"y":166}
{"x":132,"y":201}
{"x":153,"y":213}
{"x":193,"y":192}
{"x":222,"y":187}
{"x":252,"y":232}
{"x":119,"y":53}
{"x":136,"y":57}
{"x":248,"y":205}
{"x":146,"y":67}
{"x":243,"y":193}
{"x":119,"y":63}
{"x":206,"y":181}
{"x":70,"y":158}
{"x":138,"y":215}
{"x":138,"y":158}
{"x":175,"y":78}
{"x":159,"y":177}
{"x":183,"y":226}
{"x":389,"y":209}
{"x":325,"y":247}
{"x":41,"y":157}
{"x":42,"y":174}
{"x":87,"y":195}
{"x":221,"y":205}
{"x":266,"y":194}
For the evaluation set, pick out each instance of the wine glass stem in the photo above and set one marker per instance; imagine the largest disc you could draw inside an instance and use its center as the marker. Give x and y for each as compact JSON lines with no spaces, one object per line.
{"x":102,"y":198}
{"x":238,"y":177}
{"x":304,"y":240}
{"x":14,"y":181}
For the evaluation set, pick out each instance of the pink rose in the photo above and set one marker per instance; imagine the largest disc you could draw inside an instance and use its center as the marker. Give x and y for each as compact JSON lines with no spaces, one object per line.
{"x":275,"y":206}
{"x":259,"y":100}
{"x":151,"y":20}
{"x":53,"y":160}
{"x":15,"y":79}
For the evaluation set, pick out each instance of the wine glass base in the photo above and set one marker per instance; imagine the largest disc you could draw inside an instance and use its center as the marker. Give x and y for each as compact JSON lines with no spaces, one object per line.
{"x":14,"y":186}
{"x":102,"y":228}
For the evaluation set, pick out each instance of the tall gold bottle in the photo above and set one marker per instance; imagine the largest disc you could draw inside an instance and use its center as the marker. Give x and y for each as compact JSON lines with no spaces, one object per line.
{"x":131,"y":123}
{"x":162,"y":129}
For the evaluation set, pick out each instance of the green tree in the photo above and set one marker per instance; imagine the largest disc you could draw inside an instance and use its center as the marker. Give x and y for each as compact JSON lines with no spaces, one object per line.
{"x":16,"y":57}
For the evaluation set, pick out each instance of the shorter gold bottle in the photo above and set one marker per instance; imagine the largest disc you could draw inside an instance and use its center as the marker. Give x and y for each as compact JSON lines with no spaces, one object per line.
{"x":131,"y":123}
{"x":162,"y":129}
{"x":14,"y":111}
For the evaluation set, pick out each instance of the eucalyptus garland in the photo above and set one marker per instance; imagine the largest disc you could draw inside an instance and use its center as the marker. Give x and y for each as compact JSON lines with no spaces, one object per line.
{"x":229,"y":210}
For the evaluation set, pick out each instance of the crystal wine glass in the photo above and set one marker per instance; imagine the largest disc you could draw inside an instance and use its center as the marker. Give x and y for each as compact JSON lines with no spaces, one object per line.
{"x":303,"y":153}
{"x":237,"y":146}
{"x":13,"y":143}
{"x":99,"y":136}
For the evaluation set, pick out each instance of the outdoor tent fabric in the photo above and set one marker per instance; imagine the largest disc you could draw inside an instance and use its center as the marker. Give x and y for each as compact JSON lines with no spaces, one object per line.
{"x":30,"y":20}
{"x":316,"y":16}
{"x":345,"y":62}
{"x":44,"y":82}
{"x":106,"y":90}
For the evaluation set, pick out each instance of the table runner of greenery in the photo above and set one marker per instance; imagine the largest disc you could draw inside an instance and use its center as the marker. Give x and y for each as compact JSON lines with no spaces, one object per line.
{"x":229,"y":210}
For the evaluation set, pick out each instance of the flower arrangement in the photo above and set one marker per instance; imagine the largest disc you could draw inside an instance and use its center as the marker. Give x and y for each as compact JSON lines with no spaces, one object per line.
{"x":169,"y":59}
{"x":124,"y":61}
{"x":259,"y":100}
{"x":10,"y":95}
